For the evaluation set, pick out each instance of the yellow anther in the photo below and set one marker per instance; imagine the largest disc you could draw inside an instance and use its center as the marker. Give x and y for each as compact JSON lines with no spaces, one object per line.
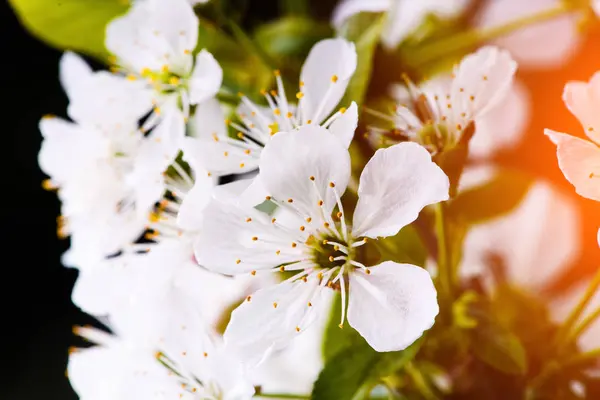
{"x":174,"y":80}
{"x":312,"y":178}
{"x":297,"y":329}
{"x":277,"y":72}
{"x":273,"y":220}
{"x":339,"y":214}
{"x":49,"y":116}
{"x":238,"y":261}
{"x":274,"y":305}
{"x":309,"y":304}
{"x":146,"y":72}
{"x":187,"y":52}
{"x":294,"y":244}
{"x":320,"y":202}
{"x":247,"y":151}
{"x":326,"y":224}
{"x":368,"y":271}
{"x":299,"y":95}
{"x":302,"y":228}
{"x":240,"y":135}
{"x":164,"y":69}
{"x":331,"y":184}
{"x":248,"y":219}
{"x":225,"y":153}
{"x":331,"y":259}
{"x":242,"y":165}
{"x":290,"y":200}
{"x":343,"y":110}
{"x":248,"y":298}
{"x":254,"y":238}
{"x":308,"y":219}
{"x":334,"y":78}
{"x":309,"y":121}
{"x":301,"y":83}
{"x":282,"y":268}
{"x":277,"y":111}
{"x":289,"y":114}
{"x":253,"y":272}
{"x":131,"y":77}
{"x":278,"y":252}
{"x":273,"y":93}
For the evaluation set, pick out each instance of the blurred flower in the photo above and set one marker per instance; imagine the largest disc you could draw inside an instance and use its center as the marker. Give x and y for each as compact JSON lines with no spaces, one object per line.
{"x":155,"y":41}
{"x":113,"y":174}
{"x":403,"y":16}
{"x":305,"y":173}
{"x":579,"y":159}
{"x":440,"y":111}
{"x":500,"y":128}
{"x":185,"y":364}
{"x":323,"y":81}
{"x":545,"y":44}
{"x":531,"y":245}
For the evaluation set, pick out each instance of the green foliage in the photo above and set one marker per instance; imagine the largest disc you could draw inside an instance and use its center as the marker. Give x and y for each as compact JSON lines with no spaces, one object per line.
{"x":352,"y":367}
{"x":491,"y":199}
{"x":364,"y":30}
{"x":77,"y":25}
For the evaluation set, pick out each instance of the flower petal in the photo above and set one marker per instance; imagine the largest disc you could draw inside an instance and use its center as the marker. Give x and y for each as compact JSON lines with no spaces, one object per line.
{"x":237,"y":239}
{"x":206,"y":78}
{"x":349,"y":8}
{"x":191,"y":210}
{"x":504,"y":125}
{"x":325,"y":76}
{"x":221,"y":156}
{"x":579,"y":161}
{"x":299,"y":168}
{"x":583,"y":100}
{"x":344,"y":126}
{"x":208,"y":120}
{"x":393,"y":305}
{"x":270,"y":318}
{"x":395,"y":185}
{"x":74,"y":71}
{"x":153,"y":34}
{"x":481,"y":81}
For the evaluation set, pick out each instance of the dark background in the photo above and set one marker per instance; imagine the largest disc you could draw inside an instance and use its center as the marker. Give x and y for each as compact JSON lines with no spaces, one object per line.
{"x":37,"y":310}
{"x":37,"y":314}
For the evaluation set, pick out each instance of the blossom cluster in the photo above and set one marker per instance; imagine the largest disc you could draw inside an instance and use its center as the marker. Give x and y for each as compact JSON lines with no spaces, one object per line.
{"x":165,"y":250}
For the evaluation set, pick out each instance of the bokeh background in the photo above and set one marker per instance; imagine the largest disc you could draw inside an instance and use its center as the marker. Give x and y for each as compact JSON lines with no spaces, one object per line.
{"x":36,"y":307}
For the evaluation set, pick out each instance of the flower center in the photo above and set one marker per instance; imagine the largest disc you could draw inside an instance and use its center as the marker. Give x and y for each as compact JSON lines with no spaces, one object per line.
{"x":330,"y":252}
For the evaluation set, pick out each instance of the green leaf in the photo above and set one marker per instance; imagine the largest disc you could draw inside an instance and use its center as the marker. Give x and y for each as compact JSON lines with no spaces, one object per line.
{"x":291,"y":36}
{"x":77,"y":25}
{"x":496,"y":345}
{"x":405,"y":247}
{"x":364,"y":30}
{"x":492,"y":199}
{"x":352,"y":367}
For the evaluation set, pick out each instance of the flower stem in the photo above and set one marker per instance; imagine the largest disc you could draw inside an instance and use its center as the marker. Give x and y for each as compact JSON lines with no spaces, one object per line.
{"x":444,"y":267}
{"x":471,"y":38}
{"x":585,"y":324}
{"x":565,"y":329}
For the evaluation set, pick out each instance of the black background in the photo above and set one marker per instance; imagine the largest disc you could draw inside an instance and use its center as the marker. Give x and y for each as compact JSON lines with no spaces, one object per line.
{"x":36,"y":312}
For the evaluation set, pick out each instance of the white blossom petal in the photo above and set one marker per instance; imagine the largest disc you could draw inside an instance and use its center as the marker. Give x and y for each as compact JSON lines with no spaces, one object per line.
{"x":395,"y":185}
{"x":481,"y":81}
{"x":325,"y":76}
{"x":579,"y":160}
{"x":153,"y":34}
{"x":208,"y":120}
{"x":206,"y":78}
{"x":301,"y":166}
{"x":73,"y":72}
{"x":583,"y":100}
{"x":503,"y":126}
{"x":234,"y":240}
{"x":348,"y":8}
{"x":393,"y":305}
{"x":191,"y":209}
{"x":270,"y":318}
{"x":345,"y":125}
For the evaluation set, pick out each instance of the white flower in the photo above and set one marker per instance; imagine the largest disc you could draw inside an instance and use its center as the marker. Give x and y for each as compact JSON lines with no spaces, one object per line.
{"x":441,"y":111}
{"x":155,"y":41}
{"x":579,"y":159}
{"x":403,"y":16}
{"x":498,"y":129}
{"x":530,"y":246}
{"x":305,"y":173}
{"x":323,"y":81}
{"x":545,"y":44}
{"x":108,"y":172}
{"x":185,"y":364}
